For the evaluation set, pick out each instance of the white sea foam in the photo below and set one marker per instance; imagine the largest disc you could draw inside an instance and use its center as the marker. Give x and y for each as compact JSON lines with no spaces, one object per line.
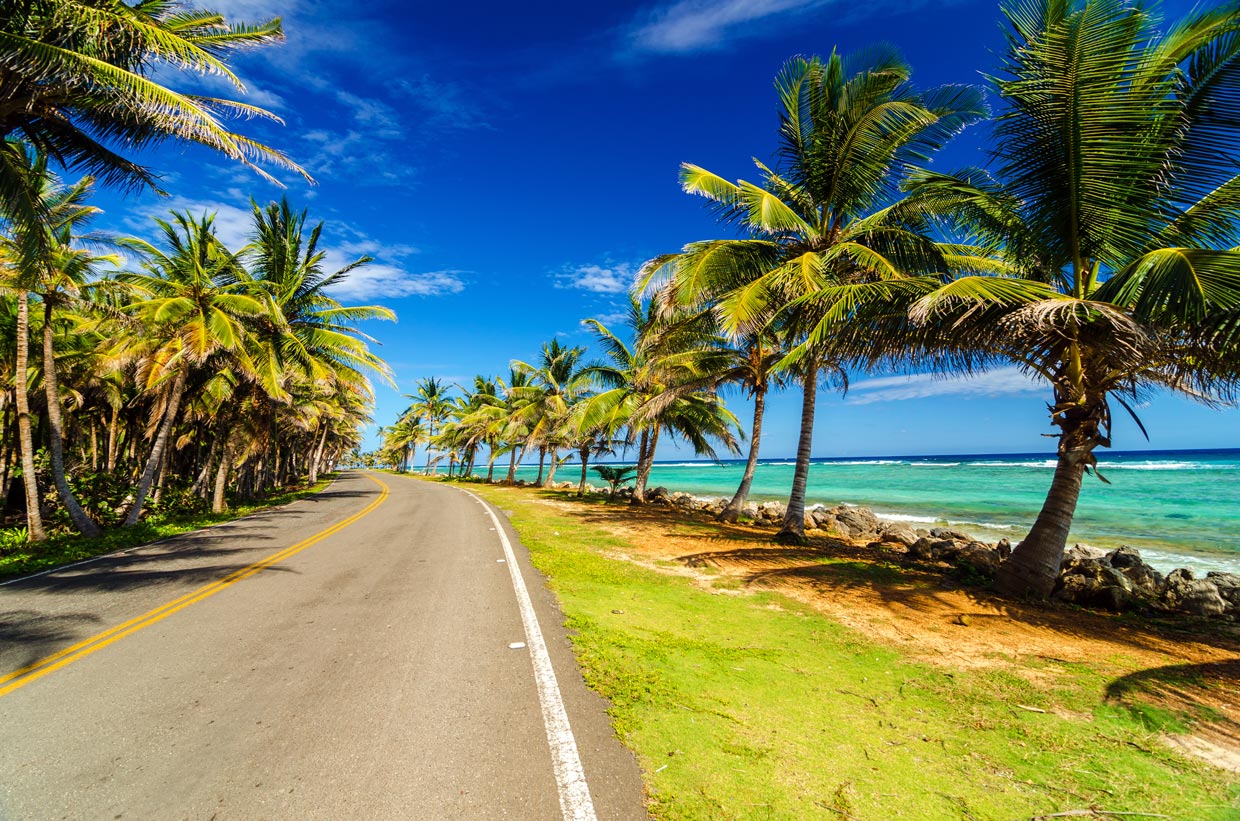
{"x":933,"y":464}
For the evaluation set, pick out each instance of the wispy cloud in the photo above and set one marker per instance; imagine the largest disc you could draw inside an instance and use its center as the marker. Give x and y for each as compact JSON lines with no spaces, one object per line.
{"x":607,"y":278}
{"x":695,"y":25}
{"x":999,"y":382}
{"x":378,"y":281}
{"x":447,"y":105}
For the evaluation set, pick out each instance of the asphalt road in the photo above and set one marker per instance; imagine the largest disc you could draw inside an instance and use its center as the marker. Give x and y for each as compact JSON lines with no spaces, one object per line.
{"x":367,"y":673}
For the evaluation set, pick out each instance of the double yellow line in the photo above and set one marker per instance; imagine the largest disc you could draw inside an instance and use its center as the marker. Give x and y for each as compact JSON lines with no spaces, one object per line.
{"x":20,"y":678}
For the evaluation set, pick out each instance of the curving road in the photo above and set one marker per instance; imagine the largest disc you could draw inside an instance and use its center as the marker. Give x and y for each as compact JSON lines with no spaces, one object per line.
{"x":347,"y":656}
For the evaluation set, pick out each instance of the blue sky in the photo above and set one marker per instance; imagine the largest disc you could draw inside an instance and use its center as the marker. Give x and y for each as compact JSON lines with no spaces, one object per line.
{"x":509,"y":165}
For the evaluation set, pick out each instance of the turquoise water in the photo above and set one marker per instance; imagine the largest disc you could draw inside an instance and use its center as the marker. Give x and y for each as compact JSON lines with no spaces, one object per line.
{"x":1180,"y":508}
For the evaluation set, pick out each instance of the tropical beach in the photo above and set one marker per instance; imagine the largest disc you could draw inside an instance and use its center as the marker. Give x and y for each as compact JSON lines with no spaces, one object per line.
{"x":795,"y":412}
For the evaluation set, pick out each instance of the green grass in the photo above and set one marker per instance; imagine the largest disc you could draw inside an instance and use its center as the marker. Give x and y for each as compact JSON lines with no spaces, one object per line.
{"x":754,"y":707}
{"x":61,"y":550}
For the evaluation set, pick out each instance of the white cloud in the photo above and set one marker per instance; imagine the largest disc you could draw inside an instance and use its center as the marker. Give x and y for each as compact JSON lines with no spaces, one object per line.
{"x":374,"y":282}
{"x":692,"y":25}
{"x":610,"y":278}
{"x":378,"y":282}
{"x":1008,"y":381}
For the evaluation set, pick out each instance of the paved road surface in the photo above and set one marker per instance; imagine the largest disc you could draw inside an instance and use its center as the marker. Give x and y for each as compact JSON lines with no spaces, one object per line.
{"x":365,"y":675}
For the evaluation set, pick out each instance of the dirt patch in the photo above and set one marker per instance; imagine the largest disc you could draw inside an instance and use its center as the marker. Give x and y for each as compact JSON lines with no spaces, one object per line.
{"x":1178,"y":664}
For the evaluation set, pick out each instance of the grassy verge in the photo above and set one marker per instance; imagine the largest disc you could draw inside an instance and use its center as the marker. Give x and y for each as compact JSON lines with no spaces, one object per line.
{"x":62,"y":550}
{"x":754,"y":707}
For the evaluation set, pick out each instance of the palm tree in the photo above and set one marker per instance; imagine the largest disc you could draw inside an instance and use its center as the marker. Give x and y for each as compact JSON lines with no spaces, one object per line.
{"x":823,"y":236}
{"x":1114,"y":206}
{"x":192,"y":307}
{"x":434,"y":406}
{"x":76,"y":81}
{"x":555,"y":385}
{"x":653,"y":386}
{"x":54,"y":269}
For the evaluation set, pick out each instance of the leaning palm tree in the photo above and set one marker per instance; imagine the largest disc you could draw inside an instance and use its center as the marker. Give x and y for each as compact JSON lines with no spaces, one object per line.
{"x":192,"y":308}
{"x":823,"y":218}
{"x":77,"y":80}
{"x":1115,"y":203}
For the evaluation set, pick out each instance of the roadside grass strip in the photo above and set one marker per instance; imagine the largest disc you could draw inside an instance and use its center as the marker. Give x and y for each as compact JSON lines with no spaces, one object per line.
{"x":746,"y":704}
{"x":21,"y":677}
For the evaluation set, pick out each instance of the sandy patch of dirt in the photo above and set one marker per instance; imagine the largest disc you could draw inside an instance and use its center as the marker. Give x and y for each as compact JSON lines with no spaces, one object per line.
{"x":1175,"y":663}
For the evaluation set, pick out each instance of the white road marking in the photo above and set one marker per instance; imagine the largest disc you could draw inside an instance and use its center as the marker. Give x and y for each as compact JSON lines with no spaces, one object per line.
{"x":570,"y":778}
{"x":516,"y":645}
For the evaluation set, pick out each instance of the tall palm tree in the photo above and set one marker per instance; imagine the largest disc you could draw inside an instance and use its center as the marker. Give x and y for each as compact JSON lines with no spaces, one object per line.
{"x":54,"y":269}
{"x":433,"y":405}
{"x":555,"y":385}
{"x":76,"y":78}
{"x":192,"y":307}
{"x":1114,"y":203}
{"x":823,"y":218}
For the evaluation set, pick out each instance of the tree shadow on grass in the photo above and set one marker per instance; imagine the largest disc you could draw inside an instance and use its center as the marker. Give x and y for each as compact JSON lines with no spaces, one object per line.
{"x":1202,"y":698}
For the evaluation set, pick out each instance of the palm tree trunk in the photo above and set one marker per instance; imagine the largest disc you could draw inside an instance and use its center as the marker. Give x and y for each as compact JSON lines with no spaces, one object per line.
{"x":55,"y":432}
{"x":512,"y":467}
{"x":555,"y":461}
{"x":1033,"y":567}
{"x":645,"y":461}
{"x":317,"y":457}
{"x":793,"y":529}
{"x":585,"y":461}
{"x":490,"y":463}
{"x":113,"y":442}
{"x":218,"y":505}
{"x":733,"y":511}
{"x":34,"y":519}
{"x":199,"y":488}
{"x":542,"y":460}
{"x":157,"y":452}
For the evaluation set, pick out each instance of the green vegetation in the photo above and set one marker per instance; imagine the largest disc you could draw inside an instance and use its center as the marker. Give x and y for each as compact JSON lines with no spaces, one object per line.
{"x":1100,"y":251}
{"x":19,"y":557}
{"x":754,"y":707}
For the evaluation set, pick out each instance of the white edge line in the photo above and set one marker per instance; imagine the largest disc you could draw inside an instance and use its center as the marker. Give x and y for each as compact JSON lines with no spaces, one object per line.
{"x":125,"y":550}
{"x":570,"y":777}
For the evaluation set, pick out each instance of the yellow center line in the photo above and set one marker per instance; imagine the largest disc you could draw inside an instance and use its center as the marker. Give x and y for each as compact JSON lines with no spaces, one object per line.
{"x":20,"y":678}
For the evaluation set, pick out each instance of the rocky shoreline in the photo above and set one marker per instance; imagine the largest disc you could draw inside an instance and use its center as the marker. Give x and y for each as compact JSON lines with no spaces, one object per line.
{"x":1116,"y":580}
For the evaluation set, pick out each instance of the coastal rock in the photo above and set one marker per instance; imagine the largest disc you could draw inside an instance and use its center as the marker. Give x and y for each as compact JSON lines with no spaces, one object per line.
{"x":1228,"y":585}
{"x":624,"y":493}
{"x":979,"y":558}
{"x":899,"y":534}
{"x":1197,"y":597}
{"x":684,"y":500}
{"x":772,"y":512}
{"x":1080,"y":552}
{"x":750,"y":511}
{"x":822,"y":520}
{"x":1147,"y":581}
{"x":948,"y":533}
{"x":659,"y":495}
{"x":859,"y":522}
{"x":1092,"y":582}
{"x":1004,"y":546}
{"x":928,"y":549}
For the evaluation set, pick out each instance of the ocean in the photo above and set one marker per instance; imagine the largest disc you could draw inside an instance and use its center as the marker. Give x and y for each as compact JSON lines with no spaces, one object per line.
{"x":1179,"y":508}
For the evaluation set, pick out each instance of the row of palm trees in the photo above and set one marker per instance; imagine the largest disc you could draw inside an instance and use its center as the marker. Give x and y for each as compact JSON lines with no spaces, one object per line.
{"x":662,"y":381}
{"x":166,"y":363}
{"x":177,"y":364}
{"x":1096,"y":251}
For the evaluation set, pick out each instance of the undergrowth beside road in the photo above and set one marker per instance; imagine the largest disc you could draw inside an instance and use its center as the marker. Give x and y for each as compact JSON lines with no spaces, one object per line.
{"x":31,"y":557}
{"x":744,"y":704}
